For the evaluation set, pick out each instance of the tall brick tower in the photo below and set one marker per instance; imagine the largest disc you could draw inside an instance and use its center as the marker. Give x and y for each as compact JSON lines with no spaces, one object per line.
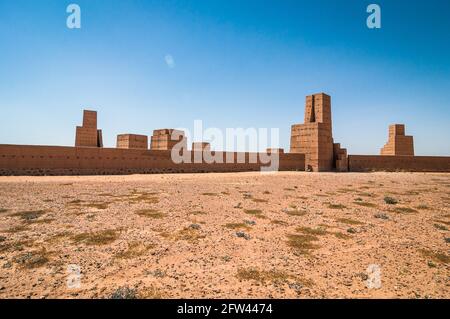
{"x":314,"y":138}
{"x":88,"y":135}
{"x":398,"y":143}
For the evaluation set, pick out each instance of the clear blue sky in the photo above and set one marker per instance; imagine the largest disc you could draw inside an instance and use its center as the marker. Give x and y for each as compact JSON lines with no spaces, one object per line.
{"x":237,"y":64}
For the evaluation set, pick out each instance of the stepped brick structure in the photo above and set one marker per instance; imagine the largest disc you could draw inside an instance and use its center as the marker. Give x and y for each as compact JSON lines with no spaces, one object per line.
{"x":201,"y":146}
{"x":88,"y":135}
{"x":398,"y":144}
{"x":132,"y":141}
{"x":166,"y":139}
{"x":314,"y":138}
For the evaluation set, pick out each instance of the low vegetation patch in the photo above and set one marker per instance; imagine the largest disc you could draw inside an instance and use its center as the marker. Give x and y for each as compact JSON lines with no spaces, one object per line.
{"x":296,"y":212}
{"x":390,"y":200}
{"x":102,"y":237}
{"x":32,"y":259}
{"x":311,"y":231}
{"x":135,"y":249}
{"x":150,"y":213}
{"x":336,"y":206}
{"x":435,"y":256}
{"x":341,"y":235}
{"x":273,"y":276}
{"x":210,"y":194}
{"x":349,"y":221}
{"x":279,"y":222}
{"x":197,"y":212}
{"x":29,"y":215}
{"x":440,"y":227}
{"x":302,"y":244}
{"x":237,"y":226}
{"x":365,"y":204}
{"x":255,"y":212}
{"x":404,"y":210}
{"x":189,"y":234}
{"x":259,"y":200}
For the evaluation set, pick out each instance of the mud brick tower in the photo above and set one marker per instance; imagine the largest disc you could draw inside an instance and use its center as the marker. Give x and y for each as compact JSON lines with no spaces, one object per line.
{"x":88,"y":135}
{"x":132,"y":141}
{"x":166,"y":139}
{"x":314,"y":138}
{"x":398,"y":143}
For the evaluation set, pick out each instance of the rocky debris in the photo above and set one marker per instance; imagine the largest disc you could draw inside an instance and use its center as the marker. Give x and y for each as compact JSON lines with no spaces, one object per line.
{"x":124,"y":293}
{"x":381,"y":216}
{"x":250,"y":222}
{"x":351,"y":230}
{"x":447,"y":240}
{"x":239,"y":205}
{"x":2,"y":238}
{"x":241,"y":234}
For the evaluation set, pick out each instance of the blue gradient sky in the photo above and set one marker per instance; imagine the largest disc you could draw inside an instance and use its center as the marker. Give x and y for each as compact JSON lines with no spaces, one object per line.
{"x":237,"y":64}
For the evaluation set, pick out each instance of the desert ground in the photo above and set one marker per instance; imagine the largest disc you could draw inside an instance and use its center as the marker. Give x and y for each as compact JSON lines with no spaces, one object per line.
{"x":230,"y":235}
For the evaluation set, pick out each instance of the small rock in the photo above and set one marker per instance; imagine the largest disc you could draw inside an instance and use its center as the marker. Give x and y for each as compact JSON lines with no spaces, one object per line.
{"x":195,"y":226}
{"x":250,"y":222}
{"x":7,"y":265}
{"x":351,"y":231}
{"x":239,"y":205}
{"x":447,"y":240}
{"x":381,"y":216}
{"x":241,"y":234}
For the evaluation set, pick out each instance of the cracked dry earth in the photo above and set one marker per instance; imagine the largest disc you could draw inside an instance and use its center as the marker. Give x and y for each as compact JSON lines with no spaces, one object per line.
{"x":231,"y":235}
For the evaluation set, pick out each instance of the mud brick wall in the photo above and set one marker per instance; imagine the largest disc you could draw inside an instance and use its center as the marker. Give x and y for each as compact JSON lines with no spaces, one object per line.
{"x":56,"y":160}
{"x":364,"y":163}
{"x":132,"y":141}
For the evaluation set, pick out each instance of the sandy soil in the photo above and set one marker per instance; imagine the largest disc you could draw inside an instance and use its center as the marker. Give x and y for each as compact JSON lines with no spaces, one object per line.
{"x":234,"y":235}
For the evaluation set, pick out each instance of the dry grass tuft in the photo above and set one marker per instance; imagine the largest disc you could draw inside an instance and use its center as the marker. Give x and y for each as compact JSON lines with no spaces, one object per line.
{"x":279,"y":222}
{"x":210,"y":194}
{"x":273,"y":276}
{"x":296,"y":212}
{"x":259,"y":200}
{"x":302,"y":244}
{"x":311,"y":231}
{"x":435,"y":256}
{"x":336,"y":206}
{"x":255,"y":212}
{"x":135,"y":249}
{"x":29,"y":215}
{"x":150,"y":213}
{"x":349,"y":221}
{"x":404,"y":210}
{"x":197,"y":212}
{"x":237,"y":226}
{"x":189,"y":234}
{"x":32,"y":259}
{"x":102,"y":237}
{"x":366,"y":204}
